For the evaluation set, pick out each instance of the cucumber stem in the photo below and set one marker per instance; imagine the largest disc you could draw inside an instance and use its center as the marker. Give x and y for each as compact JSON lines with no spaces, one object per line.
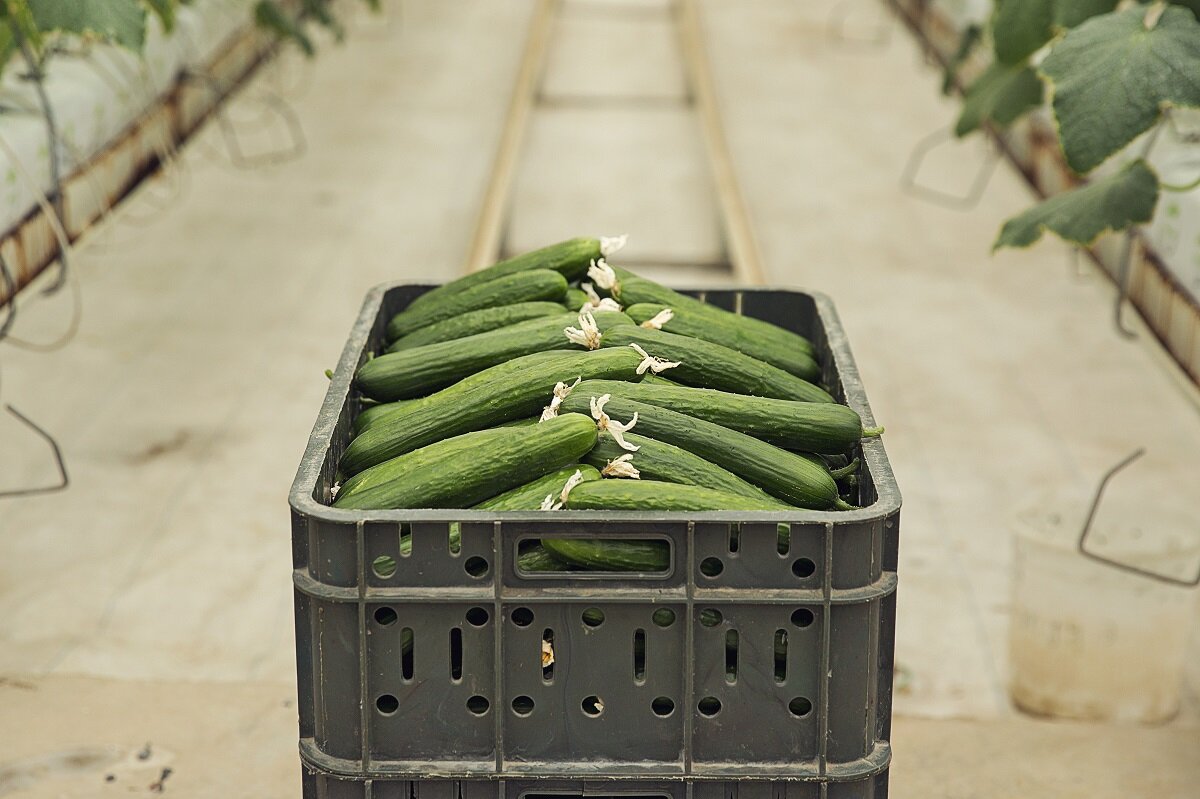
{"x":872,"y":432}
{"x":845,"y":471}
{"x":842,"y":504}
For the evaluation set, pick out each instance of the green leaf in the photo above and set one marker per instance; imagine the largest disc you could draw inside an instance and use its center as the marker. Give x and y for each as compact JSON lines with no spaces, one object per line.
{"x":1194,"y":5}
{"x":20,"y":21}
{"x":1069,"y":13}
{"x":1112,"y":77}
{"x":7,"y":44}
{"x":119,"y":21}
{"x":1116,"y":202}
{"x":320,"y":11}
{"x":273,"y":18}
{"x":165,"y":11}
{"x":1020,"y":28}
{"x":1000,"y":95}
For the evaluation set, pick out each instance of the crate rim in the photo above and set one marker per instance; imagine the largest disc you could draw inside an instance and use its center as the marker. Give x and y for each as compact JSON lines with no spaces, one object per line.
{"x":301,"y":498}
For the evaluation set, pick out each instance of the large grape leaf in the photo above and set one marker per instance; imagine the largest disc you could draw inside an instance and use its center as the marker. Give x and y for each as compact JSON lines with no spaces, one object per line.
{"x":1115,"y":202}
{"x":120,"y":21}
{"x":1020,"y":28}
{"x":1112,"y":77}
{"x":999,"y":95}
{"x":1069,"y":13}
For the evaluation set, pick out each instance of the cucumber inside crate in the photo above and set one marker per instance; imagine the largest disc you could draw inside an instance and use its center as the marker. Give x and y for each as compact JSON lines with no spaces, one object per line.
{"x":827,"y":579}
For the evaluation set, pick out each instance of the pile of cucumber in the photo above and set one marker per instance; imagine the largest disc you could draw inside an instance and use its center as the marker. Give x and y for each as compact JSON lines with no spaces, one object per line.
{"x":555,"y":381}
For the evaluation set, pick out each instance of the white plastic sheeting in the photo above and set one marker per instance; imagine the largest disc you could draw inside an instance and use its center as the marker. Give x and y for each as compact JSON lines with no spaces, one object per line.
{"x":96,"y":92}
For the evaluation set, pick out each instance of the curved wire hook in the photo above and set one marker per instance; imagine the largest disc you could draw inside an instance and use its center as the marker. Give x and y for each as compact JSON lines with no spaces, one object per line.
{"x":38,"y":76}
{"x":64,"y":480}
{"x":233,"y":145}
{"x":929,"y":143}
{"x":1123,"y":286}
{"x":1087,"y":527}
{"x":10,"y":297}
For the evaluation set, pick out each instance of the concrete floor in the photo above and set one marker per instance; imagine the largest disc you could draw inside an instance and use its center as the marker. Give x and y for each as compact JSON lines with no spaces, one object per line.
{"x":151,"y":603}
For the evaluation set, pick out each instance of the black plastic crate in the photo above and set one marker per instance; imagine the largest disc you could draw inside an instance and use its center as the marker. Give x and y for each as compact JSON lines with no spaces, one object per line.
{"x":327,"y":786}
{"x":470,"y":709}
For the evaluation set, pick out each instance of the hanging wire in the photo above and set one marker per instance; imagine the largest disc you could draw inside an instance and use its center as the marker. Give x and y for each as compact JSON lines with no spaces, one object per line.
{"x":1091,"y":516}
{"x":288,"y":61}
{"x":1125,"y":266}
{"x":37,"y":75}
{"x":64,"y":247}
{"x":1123,"y":270}
{"x":59,"y":461}
{"x":910,"y":184}
{"x":10,"y":297}
{"x":171,"y":164}
{"x":282,"y":109}
{"x":1080,"y":272}
{"x":60,"y":464}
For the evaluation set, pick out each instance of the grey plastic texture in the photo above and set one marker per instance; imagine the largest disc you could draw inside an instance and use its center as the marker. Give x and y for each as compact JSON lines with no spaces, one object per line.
{"x":470,"y":709}
{"x":319,"y":785}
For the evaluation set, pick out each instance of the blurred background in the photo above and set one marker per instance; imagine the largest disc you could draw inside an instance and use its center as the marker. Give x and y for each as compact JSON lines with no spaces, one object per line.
{"x":193,"y":206}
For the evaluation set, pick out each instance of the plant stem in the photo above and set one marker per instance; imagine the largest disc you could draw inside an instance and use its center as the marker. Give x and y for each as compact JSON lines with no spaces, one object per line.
{"x":1195,"y":184}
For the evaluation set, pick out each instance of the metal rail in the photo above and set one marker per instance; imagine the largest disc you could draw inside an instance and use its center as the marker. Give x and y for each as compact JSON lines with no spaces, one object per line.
{"x":487,"y":241}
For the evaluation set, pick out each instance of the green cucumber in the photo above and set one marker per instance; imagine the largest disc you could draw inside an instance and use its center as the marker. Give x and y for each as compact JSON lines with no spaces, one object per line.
{"x":569,"y":258}
{"x":376,"y":476}
{"x":365,"y":421}
{"x":575,"y":298}
{"x":519,"y":388}
{"x":472,"y":322}
{"x":526,"y":422}
{"x":533,"y":557}
{"x":821,"y":427}
{"x":421,"y":370}
{"x":644,"y":495}
{"x":449,"y":474}
{"x":538,"y":284}
{"x":373,"y":413}
{"x":782,"y":474}
{"x":708,"y":365}
{"x":630,"y":289}
{"x":536,"y":558}
{"x":610,"y":554}
{"x":687,"y":321}
{"x":668,"y":463}
{"x":530,"y":495}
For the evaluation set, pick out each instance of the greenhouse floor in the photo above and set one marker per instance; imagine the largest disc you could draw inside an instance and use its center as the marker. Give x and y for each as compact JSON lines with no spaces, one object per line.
{"x":146,"y":612}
